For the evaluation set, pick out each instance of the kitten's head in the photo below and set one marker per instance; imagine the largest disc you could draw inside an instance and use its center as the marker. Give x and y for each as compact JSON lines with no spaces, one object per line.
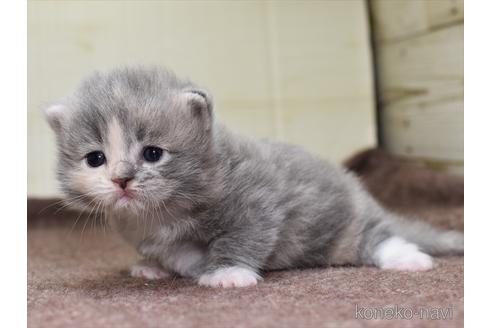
{"x":134,"y":139}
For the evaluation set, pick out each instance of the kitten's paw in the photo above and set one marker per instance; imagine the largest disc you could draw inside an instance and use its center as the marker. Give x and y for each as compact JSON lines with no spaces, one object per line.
{"x":148,"y":272}
{"x":396,"y":253}
{"x":230,"y":277}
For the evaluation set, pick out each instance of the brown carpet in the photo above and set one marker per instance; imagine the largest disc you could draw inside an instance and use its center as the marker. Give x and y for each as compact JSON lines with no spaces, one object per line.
{"x":79,"y":279}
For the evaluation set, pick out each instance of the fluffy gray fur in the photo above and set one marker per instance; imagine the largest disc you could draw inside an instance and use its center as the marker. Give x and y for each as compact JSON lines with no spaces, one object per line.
{"x":218,"y":200}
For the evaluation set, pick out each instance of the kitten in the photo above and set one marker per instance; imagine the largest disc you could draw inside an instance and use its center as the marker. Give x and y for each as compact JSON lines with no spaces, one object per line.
{"x":197,"y":200}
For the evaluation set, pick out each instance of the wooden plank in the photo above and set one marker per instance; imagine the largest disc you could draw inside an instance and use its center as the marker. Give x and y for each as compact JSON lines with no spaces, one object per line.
{"x":426,"y":69}
{"x":420,"y":56}
{"x":422,"y":85}
{"x":324,"y":74}
{"x":444,"y":12}
{"x":431,"y":131}
{"x":398,"y":19}
{"x":401,"y":19}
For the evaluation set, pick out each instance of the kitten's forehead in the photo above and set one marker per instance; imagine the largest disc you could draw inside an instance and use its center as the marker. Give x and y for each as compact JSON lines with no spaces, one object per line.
{"x":119,"y":129}
{"x":117,"y":141}
{"x":131,"y":107}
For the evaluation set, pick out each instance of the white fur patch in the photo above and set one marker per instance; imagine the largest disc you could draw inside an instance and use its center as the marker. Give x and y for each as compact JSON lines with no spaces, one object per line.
{"x":396,"y":253}
{"x":116,"y":140}
{"x":54,"y":110}
{"x":54,"y":115}
{"x":230,"y":277}
{"x":148,"y":272}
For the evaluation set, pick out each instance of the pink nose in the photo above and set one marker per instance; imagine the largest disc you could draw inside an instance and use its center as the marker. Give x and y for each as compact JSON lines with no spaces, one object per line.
{"x":122,"y":182}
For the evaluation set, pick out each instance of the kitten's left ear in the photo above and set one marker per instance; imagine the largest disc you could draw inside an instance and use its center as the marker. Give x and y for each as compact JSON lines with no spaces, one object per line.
{"x":54,"y":115}
{"x":201,"y":104}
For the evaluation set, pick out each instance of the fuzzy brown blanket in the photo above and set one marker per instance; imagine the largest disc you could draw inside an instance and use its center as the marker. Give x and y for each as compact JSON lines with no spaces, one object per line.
{"x":79,"y":279}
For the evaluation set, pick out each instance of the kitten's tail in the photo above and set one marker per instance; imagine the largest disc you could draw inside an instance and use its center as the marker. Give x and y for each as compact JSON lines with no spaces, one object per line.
{"x":429,"y":239}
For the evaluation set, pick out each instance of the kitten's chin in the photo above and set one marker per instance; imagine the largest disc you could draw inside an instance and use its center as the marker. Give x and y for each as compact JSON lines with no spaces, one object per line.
{"x":125,"y":204}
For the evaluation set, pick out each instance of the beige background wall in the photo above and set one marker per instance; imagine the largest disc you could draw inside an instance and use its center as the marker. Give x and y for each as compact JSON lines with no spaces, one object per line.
{"x":296,"y":71}
{"x":420,"y":60}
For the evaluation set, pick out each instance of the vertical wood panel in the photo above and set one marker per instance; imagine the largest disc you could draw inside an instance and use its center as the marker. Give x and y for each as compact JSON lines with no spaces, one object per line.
{"x":421,"y":78}
{"x":325,"y":76}
{"x":424,"y":69}
{"x":400,"y":19}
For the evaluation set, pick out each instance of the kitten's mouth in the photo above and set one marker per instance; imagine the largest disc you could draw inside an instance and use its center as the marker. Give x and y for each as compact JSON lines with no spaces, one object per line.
{"x":124,"y":198}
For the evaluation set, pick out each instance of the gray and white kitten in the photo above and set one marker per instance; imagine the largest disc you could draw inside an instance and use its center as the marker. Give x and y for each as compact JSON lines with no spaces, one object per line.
{"x":197,"y":200}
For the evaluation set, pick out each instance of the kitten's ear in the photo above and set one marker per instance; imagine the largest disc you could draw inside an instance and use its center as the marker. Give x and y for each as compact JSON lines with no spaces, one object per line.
{"x":201,"y":105}
{"x":54,"y":115}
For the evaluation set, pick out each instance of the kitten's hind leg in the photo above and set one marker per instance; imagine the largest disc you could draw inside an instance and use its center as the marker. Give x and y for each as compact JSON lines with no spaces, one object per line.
{"x":393,"y":242}
{"x":148,"y":270}
{"x":395,"y":253}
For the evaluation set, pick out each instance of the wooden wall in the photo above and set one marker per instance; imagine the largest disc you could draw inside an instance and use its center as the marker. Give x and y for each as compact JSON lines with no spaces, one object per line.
{"x":298,"y":71}
{"x":419,"y":46}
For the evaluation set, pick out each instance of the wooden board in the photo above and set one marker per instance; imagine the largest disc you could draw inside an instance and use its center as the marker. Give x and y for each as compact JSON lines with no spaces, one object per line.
{"x":431,"y":131}
{"x":401,"y":19}
{"x":421,"y":72}
{"x":426,"y":69}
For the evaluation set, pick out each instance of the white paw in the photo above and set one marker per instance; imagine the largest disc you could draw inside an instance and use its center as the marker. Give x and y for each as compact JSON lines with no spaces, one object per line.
{"x":396,"y":253}
{"x":230,"y":277}
{"x":148,"y":272}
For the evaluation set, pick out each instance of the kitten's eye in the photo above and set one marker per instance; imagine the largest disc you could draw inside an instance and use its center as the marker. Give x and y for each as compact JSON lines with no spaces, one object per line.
{"x":95,"y":158}
{"x":152,"y":154}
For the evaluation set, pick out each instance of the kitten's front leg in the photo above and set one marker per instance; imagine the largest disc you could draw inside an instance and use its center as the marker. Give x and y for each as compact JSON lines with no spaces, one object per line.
{"x":235,"y":261}
{"x":148,"y":270}
{"x":231,"y":276}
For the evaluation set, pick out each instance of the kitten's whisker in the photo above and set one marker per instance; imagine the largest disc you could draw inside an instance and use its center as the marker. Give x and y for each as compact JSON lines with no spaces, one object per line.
{"x":151,"y":209}
{"x":146,"y":214}
{"x":87,"y":220}
{"x":62,"y":201}
{"x":104,"y":218}
{"x":155,"y":209}
{"x":90,"y":217}
{"x":51,"y":205}
{"x":165,"y":207}
{"x":155,"y":212}
{"x":97,"y":215}
{"x":186,"y":197}
{"x":73,"y":200}
{"x":68,"y":202}
{"x":139,"y":219}
{"x":148,"y":210}
{"x":78,"y":217}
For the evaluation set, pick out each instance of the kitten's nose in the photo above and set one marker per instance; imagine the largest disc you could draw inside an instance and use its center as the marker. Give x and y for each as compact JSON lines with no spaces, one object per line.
{"x":122,"y":182}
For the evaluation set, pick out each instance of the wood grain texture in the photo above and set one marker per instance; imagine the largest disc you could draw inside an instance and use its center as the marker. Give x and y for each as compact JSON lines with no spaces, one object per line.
{"x":421,"y":70}
{"x":427,"y":69}
{"x":401,"y":19}
{"x":432,"y":131}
